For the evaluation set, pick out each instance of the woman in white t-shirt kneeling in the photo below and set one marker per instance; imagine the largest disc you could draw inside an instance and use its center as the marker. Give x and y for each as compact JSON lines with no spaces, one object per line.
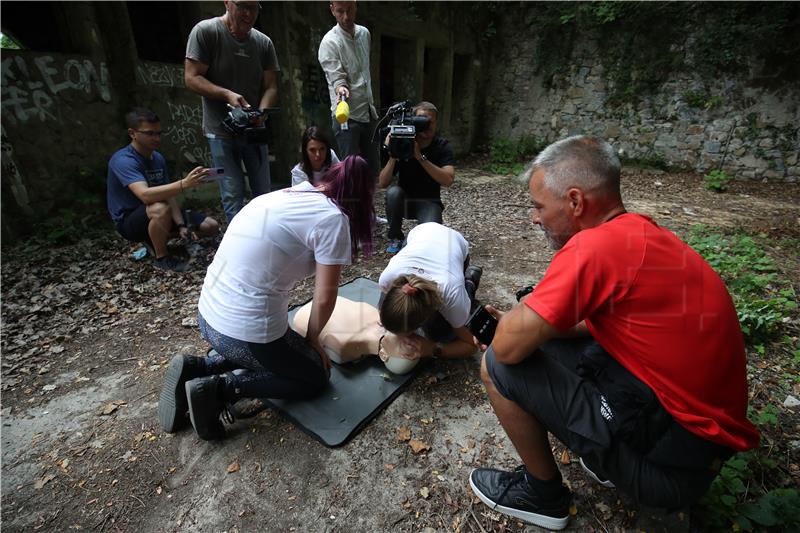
{"x":276,"y":241}
{"x":428,"y":290}
{"x":316,"y":156}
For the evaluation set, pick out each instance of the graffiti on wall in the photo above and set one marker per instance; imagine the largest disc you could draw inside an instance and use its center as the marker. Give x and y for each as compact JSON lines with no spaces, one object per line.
{"x":31,"y":88}
{"x":159,"y":74}
{"x":185,"y":132}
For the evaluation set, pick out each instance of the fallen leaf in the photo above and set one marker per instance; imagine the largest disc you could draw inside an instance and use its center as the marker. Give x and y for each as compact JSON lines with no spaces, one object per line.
{"x":42,"y":481}
{"x":565,"y":460}
{"x":111,"y":407}
{"x":233,"y":467}
{"x":424,"y":492}
{"x":403,"y":434}
{"x":49,"y":388}
{"x":417,"y":446}
{"x":389,"y":466}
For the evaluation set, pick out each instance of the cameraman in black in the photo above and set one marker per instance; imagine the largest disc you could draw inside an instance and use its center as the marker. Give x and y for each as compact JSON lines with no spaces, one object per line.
{"x":416,"y":194}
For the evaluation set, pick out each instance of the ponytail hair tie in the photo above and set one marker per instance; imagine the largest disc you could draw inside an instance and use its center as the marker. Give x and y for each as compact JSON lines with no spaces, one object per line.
{"x":408,"y":289}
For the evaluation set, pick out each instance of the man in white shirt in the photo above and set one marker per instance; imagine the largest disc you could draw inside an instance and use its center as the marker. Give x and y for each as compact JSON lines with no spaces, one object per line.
{"x":344,"y":56}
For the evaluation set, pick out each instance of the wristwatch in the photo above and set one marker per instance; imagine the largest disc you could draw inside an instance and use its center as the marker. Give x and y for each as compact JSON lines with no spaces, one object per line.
{"x":437,"y":350}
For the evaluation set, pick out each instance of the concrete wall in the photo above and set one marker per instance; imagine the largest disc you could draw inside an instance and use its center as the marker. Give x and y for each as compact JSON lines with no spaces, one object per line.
{"x":754,"y":129}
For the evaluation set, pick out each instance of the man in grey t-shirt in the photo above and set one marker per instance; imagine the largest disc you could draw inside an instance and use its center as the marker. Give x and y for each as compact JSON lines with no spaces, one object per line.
{"x":228,"y":62}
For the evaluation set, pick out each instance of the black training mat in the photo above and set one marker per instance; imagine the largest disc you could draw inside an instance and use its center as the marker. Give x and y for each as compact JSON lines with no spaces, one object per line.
{"x":357,"y":392}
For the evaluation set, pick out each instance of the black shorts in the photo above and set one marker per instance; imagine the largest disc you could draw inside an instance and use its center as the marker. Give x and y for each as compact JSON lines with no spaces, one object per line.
{"x":612,"y":420}
{"x":133,"y":225}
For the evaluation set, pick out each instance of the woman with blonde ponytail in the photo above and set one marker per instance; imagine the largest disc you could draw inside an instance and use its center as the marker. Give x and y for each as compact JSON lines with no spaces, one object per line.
{"x":427,"y":297}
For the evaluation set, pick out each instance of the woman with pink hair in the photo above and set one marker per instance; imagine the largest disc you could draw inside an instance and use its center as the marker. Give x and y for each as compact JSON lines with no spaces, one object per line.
{"x":276,"y":241}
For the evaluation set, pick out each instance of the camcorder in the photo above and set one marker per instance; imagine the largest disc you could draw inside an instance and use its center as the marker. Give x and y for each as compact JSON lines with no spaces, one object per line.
{"x":403,"y":127}
{"x":239,"y":122}
{"x":482,"y":325}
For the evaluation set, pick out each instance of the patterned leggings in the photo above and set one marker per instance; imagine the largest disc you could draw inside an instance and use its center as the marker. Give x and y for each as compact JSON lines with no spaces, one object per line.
{"x":287,"y":367}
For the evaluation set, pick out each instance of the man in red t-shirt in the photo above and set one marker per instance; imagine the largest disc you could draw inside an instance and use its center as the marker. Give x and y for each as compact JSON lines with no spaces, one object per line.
{"x":629,"y":351}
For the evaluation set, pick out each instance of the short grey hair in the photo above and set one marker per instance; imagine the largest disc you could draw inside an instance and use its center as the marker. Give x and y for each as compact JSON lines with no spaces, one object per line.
{"x":583,"y":161}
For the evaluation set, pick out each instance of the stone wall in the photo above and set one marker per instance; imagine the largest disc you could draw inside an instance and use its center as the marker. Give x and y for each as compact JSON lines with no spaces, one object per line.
{"x":750,"y":131}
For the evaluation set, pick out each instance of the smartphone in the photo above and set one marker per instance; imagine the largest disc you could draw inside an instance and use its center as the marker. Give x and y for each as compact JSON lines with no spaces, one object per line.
{"x":482,"y":324}
{"x":215,"y":174}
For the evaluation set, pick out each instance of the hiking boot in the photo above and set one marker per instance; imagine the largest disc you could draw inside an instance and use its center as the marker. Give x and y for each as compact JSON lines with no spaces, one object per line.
{"x":205,"y":405}
{"x":395,"y":245}
{"x":473,"y":275}
{"x":604,"y":482}
{"x":509,"y":493}
{"x":171,"y":263}
{"x":172,"y":406}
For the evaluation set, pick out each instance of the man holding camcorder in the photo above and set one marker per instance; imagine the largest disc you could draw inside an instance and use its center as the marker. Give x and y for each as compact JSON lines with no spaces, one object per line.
{"x":417,"y":193}
{"x":231,"y":64}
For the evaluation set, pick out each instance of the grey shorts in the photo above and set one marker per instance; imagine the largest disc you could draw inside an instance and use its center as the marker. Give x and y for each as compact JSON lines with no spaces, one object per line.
{"x":612,"y":420}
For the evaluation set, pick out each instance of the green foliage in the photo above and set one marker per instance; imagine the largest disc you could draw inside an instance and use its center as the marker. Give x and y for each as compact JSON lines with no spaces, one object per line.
{"x":6,"y":43}
{"x":643,"y":43}
{"x":740,"y":498}
{"x":651,"y":160}
{"x":702,"y":100}
{"x":716,"y":180}
{"x":508,"y":156}
{"x":763,"y":300}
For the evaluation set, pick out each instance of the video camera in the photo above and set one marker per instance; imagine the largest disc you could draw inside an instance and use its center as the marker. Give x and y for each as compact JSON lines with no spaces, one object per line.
{"x":239,"y":122}
{"x":403,"y":127}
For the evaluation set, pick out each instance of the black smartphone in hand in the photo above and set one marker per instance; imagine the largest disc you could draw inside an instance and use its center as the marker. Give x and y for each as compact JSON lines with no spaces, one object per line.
{"x":482,"y":324}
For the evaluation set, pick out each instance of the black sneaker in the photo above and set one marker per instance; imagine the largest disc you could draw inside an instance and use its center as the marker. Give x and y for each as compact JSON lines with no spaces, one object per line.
{"x":205,"y":406}
{"x":172,"y":263}
{"x":509,"y":493}
{"x":604,"y":482}
{"x":172,"y":406}
{"x":473,"y":274}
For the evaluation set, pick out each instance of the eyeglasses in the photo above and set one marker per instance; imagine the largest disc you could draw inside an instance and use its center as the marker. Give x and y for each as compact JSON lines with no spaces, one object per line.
{"x":150,"y":133}
{"x":249,"y":8}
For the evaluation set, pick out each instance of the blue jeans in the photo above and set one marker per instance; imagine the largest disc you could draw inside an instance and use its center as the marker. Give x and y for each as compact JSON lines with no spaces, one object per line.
{"x":357,"y":140}
{"x":399,"y":206}
{"x":230,"y":154}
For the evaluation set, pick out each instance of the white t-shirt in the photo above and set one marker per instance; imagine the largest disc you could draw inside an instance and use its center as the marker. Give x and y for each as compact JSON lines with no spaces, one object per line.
{"x":274,"y":242}
{"x":298,"y":175}
{"x":437,"y":253}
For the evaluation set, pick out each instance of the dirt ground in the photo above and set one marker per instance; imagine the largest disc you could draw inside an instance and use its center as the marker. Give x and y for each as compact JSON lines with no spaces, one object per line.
{"x":87,"y":333}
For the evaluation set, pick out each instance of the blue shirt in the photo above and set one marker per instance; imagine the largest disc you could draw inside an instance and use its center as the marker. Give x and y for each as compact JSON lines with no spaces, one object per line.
{"x":129,"y":166}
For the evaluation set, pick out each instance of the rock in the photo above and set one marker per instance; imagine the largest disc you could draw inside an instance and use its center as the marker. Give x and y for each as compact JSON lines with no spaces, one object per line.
{"x":712,"y":147}
{"x":791,"y":401}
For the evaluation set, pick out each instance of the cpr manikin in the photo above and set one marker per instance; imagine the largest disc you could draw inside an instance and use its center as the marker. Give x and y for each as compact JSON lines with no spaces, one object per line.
{"x":354,"y":332}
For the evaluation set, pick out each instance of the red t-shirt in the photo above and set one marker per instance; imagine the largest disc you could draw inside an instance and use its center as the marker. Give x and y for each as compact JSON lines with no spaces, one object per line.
{"x":660,"y":310}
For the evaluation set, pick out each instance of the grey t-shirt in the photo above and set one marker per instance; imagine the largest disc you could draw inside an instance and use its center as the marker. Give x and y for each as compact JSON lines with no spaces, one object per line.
{"x":233,"y":64}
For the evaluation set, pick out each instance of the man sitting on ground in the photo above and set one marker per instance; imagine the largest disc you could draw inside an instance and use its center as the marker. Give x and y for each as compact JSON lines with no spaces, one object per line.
{"x":141,"y":199}
{"x":629,"y":351}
